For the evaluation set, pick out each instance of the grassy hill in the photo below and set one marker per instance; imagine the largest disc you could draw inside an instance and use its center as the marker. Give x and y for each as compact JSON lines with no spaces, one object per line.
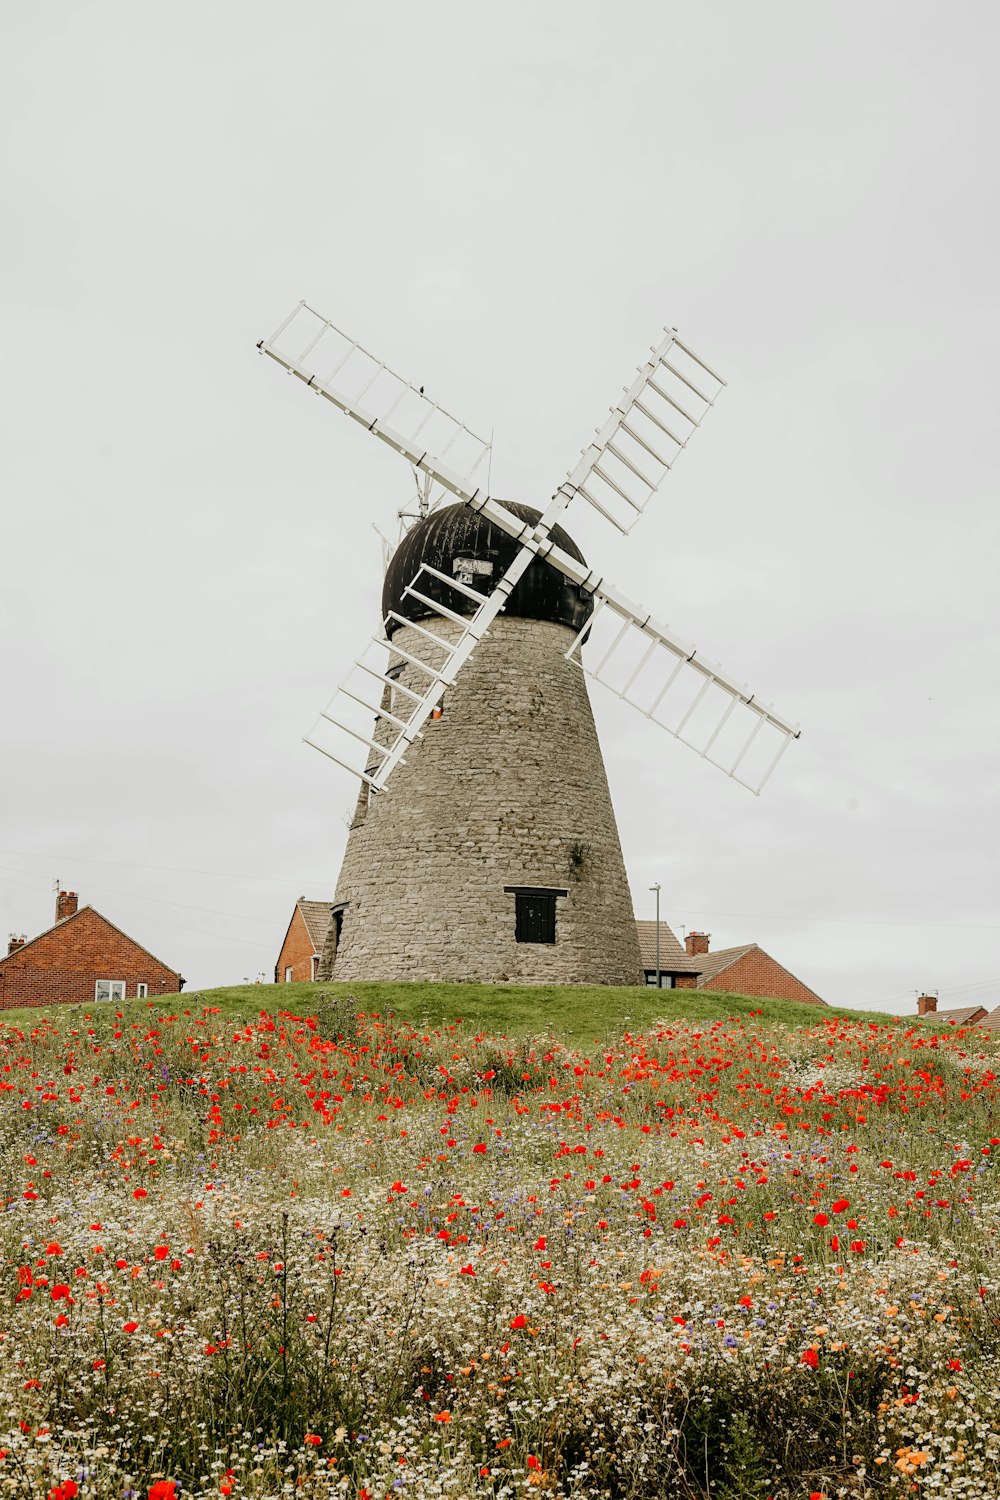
{"x":575,"y":1013}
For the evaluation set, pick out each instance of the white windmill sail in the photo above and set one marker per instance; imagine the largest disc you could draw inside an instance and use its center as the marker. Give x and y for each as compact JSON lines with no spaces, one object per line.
{"x":437,"y":662}
{"x":641,"y":660}
{"x":336,"y":367}
{"x":372,"y":693}
{"x":666,"y":679}
{"x":631,"y":455}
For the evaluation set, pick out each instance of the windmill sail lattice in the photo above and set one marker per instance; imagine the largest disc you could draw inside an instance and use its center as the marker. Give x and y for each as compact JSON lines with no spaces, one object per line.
{"x":401,"y":711}
{"x":642,"y":661}
{"x":336,"y":367}
{"x":632,"y":454}
{"x":668,"y":680}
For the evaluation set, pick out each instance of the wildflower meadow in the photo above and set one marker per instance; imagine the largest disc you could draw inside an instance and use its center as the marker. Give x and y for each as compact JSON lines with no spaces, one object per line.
{"x":333,"y":1252}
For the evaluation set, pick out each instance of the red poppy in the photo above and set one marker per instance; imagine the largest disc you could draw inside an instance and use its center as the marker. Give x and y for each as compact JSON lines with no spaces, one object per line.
{"x":810,"y":1358}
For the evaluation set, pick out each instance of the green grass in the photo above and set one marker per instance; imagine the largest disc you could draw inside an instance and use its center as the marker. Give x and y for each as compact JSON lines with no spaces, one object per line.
{"x":574,"y":1013}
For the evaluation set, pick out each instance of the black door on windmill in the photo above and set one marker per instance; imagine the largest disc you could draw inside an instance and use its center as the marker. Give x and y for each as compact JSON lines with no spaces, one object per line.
{"x":535,"y":912}
{"x":535,"y":918}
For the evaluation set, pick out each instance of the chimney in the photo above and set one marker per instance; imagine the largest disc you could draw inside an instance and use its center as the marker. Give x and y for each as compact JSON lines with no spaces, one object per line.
{"x":16,"y":940}
{"x":926,"y":1004}
{"x":696,"y":942}
{"x":66,"y":904}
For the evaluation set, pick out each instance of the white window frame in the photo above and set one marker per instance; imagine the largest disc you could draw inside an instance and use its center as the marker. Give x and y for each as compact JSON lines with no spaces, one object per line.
{"x":288,"y":974}
{"x":142,"y":992}
{"x":110,"y":997}
{"x":315,"y":965}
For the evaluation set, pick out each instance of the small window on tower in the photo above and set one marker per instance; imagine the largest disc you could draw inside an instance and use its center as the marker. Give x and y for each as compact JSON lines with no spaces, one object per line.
{"x":535,"y":919}
{"x":534,"y":912}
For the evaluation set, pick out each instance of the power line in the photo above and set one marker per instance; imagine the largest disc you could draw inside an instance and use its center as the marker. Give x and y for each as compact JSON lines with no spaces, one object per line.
{"x":198,"y":930}
{"x":86,"y":859}
{"x":157,"y":900}
{"x":771,"y":916}
{"x":226,"y":937}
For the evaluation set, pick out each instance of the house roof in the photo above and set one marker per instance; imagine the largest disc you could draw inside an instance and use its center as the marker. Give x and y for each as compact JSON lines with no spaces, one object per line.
{"x":65,"y":921}
{"x":673,"y":959}
{"x":964,"y":1015}
{"x":991,"y":1021}
{"x":316,"y":915}
{"x":714,"y":964}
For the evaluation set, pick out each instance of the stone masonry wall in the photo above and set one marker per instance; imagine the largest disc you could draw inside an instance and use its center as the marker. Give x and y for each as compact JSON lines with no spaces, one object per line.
{"x":507,"y":789}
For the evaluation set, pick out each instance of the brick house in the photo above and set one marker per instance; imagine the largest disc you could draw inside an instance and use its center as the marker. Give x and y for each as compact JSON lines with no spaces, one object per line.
{"x":742,"y":971}
{"x":303,"y":945}
{"x":677,"y":970}
{"x":82,"y":958}
{"x":746,"y":970}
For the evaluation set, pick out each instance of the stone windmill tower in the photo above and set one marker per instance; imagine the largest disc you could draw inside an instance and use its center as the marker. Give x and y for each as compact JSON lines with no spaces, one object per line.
{"x":494,"y":853}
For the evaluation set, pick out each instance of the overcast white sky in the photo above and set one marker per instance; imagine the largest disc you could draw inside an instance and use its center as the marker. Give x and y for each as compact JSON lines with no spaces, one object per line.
{"x":506,"y":203}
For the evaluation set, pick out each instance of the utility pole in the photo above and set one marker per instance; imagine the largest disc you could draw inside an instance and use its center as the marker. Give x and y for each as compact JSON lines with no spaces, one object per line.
{"x":656,"y":888}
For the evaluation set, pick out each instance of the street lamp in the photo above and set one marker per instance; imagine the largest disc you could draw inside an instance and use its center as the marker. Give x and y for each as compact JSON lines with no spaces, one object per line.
{"x":656,"y":888}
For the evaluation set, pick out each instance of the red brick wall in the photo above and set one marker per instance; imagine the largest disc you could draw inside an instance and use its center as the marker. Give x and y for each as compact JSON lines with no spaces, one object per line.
{"x":757,"y":973}
{"x":64,"y":965}
{"x":296,"y":951}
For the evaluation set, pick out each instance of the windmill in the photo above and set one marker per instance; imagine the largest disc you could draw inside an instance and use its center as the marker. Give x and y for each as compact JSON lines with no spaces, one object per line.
{"x":482,"y":779}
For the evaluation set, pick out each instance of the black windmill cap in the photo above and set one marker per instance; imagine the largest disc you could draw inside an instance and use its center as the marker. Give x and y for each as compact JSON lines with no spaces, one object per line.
{"x":467,"y":545}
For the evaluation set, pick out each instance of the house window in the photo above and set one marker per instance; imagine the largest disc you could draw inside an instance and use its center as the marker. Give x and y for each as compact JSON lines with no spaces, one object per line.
{"x":315,"y":964}
{"x":109,"y":989}
{"x":141,"y":991}
{"x":288,"y":974}
{"x":534,"y":912}
{"x":666,"y":980}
